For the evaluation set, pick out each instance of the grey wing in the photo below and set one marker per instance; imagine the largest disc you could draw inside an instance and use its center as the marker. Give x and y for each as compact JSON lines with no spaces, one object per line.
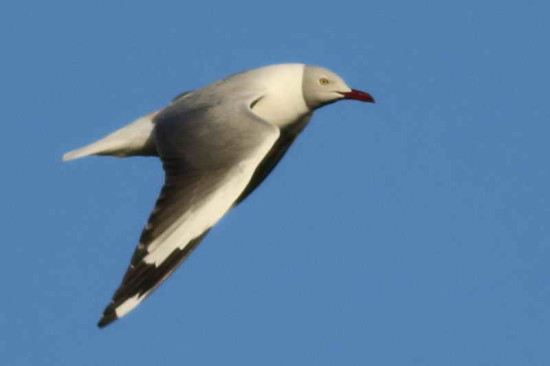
{"x":279,"y":149}
{"x":208,"y":162}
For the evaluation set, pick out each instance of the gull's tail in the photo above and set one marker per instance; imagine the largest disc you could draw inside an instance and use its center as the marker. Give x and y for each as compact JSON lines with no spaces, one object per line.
{"x":101,"y":147}
{"x":133,"y":139}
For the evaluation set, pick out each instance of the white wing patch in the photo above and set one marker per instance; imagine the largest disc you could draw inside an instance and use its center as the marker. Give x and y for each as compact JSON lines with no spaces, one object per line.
{"x":128,"y":305}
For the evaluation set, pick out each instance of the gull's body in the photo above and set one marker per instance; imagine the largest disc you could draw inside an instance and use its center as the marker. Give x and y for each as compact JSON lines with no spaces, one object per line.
{"x":217,"y":144}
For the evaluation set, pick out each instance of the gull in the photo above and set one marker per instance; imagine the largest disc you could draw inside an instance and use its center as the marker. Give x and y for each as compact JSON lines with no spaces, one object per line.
{"x":216,"y":144}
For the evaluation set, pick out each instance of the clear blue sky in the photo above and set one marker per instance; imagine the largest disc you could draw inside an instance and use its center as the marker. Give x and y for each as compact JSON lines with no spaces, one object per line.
{"x":410,"y":232}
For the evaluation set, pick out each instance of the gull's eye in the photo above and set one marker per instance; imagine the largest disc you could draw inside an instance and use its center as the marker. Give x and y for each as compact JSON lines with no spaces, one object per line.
{"x":323,"y":81}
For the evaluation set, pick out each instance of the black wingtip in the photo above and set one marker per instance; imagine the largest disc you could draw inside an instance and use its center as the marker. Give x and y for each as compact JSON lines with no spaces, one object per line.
{"x":108,"y":318}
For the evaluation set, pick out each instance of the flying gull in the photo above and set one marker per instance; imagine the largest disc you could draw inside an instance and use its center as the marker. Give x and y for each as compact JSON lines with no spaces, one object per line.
{"x":216,"y":144}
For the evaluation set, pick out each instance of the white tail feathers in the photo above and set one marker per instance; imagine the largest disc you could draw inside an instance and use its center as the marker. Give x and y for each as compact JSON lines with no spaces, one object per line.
{"x":131,"y":140}
{"x":92,"y":149}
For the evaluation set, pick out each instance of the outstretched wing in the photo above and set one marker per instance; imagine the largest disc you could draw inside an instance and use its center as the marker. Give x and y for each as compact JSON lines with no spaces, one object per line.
{"x":209,"y":158}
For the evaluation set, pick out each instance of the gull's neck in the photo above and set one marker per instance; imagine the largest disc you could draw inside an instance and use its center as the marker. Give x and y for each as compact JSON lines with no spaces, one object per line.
{"x":283,"y":101}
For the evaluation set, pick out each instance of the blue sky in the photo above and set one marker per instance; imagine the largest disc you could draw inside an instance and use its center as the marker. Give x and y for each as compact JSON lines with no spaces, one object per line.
{"x":410,"y":232}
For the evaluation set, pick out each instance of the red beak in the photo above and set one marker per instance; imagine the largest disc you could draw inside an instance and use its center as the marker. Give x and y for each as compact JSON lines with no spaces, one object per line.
{"x":359,"y":95}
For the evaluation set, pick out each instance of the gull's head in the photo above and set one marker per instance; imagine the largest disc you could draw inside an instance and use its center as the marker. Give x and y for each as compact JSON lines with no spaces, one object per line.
{"x":321,"y":86}
{"x":283,"y":93}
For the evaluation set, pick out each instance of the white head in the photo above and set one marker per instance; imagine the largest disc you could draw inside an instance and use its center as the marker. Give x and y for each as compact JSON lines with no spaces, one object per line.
{"x":321,"y":86}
